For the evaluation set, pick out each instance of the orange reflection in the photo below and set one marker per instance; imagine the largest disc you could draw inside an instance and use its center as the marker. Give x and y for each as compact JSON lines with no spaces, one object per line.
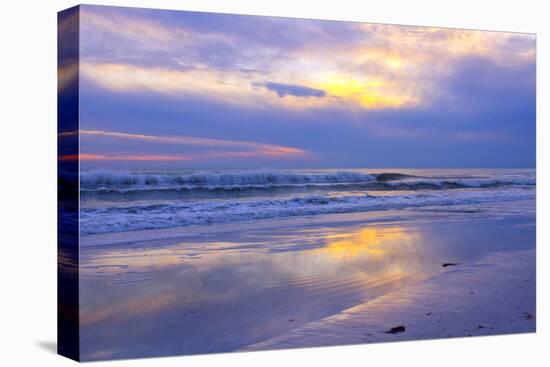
{"x":370,"y":241}
{"x":357,"y":263}
{"x":379,"y":256}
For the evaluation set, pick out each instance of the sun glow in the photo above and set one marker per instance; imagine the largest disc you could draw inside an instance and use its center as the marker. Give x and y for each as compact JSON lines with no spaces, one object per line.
{"x":372,"y":93}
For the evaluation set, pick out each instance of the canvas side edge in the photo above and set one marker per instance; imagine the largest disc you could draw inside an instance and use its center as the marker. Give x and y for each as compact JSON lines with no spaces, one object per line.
{"x":68,"y":338}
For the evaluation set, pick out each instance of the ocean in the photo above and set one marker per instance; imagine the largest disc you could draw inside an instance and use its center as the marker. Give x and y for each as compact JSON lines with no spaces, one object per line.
{"x":120,"y":201}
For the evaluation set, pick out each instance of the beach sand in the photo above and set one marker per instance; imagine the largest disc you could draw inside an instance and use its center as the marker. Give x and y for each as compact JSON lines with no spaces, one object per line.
{"x":310,"y":281}
{"x":495,"y":295}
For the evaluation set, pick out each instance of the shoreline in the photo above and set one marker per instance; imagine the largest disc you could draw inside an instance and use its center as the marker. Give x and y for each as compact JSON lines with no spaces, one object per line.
{"x":492,"y":296}
{"x":342,"y":219}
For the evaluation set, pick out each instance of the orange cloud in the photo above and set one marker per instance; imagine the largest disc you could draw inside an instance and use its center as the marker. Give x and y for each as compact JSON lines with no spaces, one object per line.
{"x":194,"y":141}
{"x":130,"y":157}
{"x":238,"y":149}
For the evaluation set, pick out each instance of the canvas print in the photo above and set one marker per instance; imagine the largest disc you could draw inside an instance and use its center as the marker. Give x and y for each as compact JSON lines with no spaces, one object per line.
{"x":243,"y":183}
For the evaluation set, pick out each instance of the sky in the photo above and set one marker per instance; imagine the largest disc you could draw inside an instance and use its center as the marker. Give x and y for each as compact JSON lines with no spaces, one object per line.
{"x":171,"y":89}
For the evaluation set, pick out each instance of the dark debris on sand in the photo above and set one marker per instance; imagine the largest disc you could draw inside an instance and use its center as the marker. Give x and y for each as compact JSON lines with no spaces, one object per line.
{"x":395,"y":330}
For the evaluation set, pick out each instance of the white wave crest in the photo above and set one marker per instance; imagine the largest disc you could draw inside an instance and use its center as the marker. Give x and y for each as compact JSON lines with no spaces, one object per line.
{"x":164,"y":215}
{"x":95,"y":179}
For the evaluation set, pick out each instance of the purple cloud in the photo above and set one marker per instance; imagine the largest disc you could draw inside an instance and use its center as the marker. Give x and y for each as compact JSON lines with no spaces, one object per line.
{"x":284,"y":90}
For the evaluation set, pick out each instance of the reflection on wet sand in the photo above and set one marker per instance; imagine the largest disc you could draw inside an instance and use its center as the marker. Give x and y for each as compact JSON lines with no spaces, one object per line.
{"x":217,"y":296}
{"x":367,"y":241}
{"x":204,"y":295}
{"x":381,"y":255}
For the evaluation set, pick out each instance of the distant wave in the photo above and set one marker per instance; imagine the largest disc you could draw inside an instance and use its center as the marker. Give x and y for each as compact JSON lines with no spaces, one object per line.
{"x":450,"y":183}
{"x":164,"y":215}
{"x":130,"y":183}
{"x":390,"y":176}
{"x":117,"y":179}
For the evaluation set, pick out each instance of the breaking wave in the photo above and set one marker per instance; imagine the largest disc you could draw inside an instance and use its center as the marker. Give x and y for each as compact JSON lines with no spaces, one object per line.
{"x":115,"y":179}
{"x":126,"y":201}
{"x":135,"y":183}
{"x":165,"y":215}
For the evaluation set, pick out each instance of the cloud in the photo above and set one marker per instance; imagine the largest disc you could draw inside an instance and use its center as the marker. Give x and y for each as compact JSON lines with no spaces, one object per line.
{"x":155,"y":38}
{"x":127,"y":78}
{"x":240,"y":88}
{"x":194,"y":141}
{"x":388,"y":95}
{"x":284,"y":90}
{"x":235,"y":88}
{"x":475,"y":128}
{"x":133,"y":28}
{"x":125,"y":157}
{"x":226,"y":57}
{"x":195,"y":148}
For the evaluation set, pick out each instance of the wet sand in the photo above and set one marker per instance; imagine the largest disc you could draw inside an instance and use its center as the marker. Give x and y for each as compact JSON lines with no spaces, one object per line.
{"x":253,"y":286}
{"x":493,"y":296}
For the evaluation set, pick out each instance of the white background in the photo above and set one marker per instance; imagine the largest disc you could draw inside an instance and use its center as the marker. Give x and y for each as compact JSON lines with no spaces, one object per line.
{"x":28,"y":182}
